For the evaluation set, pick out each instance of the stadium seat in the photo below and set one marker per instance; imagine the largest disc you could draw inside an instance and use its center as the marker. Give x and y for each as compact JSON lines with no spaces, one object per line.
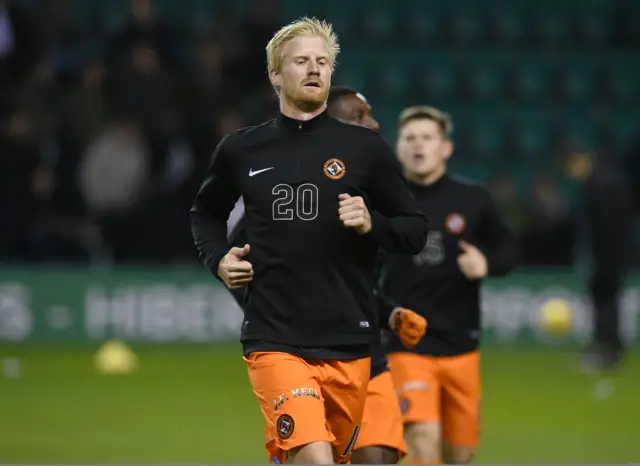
{"x":508,"y":25}
{"x":293,"y":9}
{"x":579,"y":79}
{"x":594,"y":28}
{"x":485,"y":80}
{"x":486,"y":137}
{"x":422,"y":27}
{"x":532,"y":133}
{"x":532,"y":79}
{"x":341,"y":14}
{"x":552,"y":28}
{"x":354,"y":74}
{"x":466,"y":26}
{"x":391,"y":82}
{"x":378,"y":25}
{"x":623,"y":79}
{"x":437,"y":78}
{"x":623,"y":129}
{"x":581,"y":131}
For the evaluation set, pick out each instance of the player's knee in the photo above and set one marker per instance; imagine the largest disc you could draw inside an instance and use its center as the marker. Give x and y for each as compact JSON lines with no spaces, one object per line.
{"x":311,"y":453}
{"x":453,"y":454}
{"x":423,"y":440}
{"x":375,"y":455}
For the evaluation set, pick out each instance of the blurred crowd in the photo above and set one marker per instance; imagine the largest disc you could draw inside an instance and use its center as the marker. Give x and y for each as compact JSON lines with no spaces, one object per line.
{"x":102,"y":148}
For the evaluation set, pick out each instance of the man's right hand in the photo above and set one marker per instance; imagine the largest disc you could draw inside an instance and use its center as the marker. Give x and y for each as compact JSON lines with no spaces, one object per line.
{"x":233,"y":270}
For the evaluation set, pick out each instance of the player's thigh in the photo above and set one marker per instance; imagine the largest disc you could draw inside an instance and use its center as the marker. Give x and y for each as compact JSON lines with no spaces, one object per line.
{"x":382,"y":424}
{"x":290,"y":399}
{"x":461,"y":400}
{"x":416,"y":381}
{"x":344,"y":388}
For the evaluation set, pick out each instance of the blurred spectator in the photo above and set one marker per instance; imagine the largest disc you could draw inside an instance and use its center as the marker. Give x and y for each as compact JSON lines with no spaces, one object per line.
{"x":81,"y":182}
{"x":504,"y":190}
{"x":143,"y":26}
{"x":25,"y":185}
{"x":113,"y":178}
{"x":549,"y":239}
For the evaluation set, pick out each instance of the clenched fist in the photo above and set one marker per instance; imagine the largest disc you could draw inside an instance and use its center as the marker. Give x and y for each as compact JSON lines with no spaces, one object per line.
{"x":472,"y":262}
{"x":234,"y":271}
{"x":354,"y":214}
{"x":408,"y":325}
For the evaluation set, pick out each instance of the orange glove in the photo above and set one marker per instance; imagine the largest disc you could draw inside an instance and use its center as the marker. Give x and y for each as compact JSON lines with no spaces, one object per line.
{"x":408,"y":325}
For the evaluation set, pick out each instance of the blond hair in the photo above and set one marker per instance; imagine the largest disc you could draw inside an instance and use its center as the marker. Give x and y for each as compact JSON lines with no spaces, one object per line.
{"x":303,"y":27}
{"x":424,"y":112}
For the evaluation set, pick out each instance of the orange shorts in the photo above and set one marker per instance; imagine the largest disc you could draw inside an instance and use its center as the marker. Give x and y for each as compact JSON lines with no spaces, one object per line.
{"x":382,"y":420}
{"x":305,"y":401}
{"x":445,"y":390}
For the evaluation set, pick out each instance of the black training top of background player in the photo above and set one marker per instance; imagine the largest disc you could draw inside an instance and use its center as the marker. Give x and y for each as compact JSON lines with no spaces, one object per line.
{"x":431,"y":282}
{"x":313,"y":278}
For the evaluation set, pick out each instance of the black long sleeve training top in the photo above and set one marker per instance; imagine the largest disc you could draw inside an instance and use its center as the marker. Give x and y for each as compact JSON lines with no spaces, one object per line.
{"x":431,"y":282}
{"x":312,"y":289}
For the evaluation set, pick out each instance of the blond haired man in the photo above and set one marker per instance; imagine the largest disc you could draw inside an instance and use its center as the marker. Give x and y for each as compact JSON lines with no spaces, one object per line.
{"x":311,"y":247}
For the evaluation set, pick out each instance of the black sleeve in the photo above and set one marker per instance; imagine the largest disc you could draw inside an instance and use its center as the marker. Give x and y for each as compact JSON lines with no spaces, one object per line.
{"x":498,"y":242}
{"x":211,"y":209}
{"x":398,"y":224}
{"x":384,"y":304}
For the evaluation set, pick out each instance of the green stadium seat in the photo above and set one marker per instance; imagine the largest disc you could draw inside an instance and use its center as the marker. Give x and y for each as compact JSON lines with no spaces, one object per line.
{"x":437,"y":78}
{"x":623,"y":79}
{"x":532,"y":135}
{"x":553,"y":28}
{"x":485,"y":81}
{"x":508,"y":25}
{"x":594,"y":28}
{"x":378,"y":25}
{"x":391,"y":82}
{"x":579,"y":79}
{"x":352,"y":74}
{"x":290,"y":10}
{"x":467,"y":26}
{"x":582,"y":131}
{"x":532,"y":80}
{"x":422,"y":27}
{"x":341,"y":14}
{"x":486,"y":137}
{"x":623,"y":128}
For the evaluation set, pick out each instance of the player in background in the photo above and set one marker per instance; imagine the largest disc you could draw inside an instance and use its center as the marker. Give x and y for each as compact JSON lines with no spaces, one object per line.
{"x":611,"y":197}
{"x":438,"y":381}
{"x":312,"y":242}
{"x":381,"y":434}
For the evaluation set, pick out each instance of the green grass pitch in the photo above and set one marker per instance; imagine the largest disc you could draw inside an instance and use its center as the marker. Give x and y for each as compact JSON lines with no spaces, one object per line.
{"x":194,"y":405}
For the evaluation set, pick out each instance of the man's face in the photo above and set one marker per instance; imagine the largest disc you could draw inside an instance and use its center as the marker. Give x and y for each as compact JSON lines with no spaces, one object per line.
{"x":422,"y":148}
{"x":354,"y":109}
{"x":305,"y":76}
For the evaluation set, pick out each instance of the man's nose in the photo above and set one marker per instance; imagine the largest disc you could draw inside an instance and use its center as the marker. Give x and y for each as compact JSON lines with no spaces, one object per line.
{"x":313,"y":69}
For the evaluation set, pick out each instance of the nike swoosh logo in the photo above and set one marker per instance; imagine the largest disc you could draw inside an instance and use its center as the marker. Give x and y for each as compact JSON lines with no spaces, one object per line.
{"x":253,"y":173}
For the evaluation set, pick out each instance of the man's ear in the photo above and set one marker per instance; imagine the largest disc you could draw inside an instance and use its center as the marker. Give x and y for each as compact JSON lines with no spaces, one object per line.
{"x":276,"y":80}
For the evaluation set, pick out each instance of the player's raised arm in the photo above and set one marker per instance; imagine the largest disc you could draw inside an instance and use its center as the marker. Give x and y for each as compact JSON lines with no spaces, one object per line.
{"x":500,"y":245}
{"x":397,"y":223}
{"x":211,"y":208}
